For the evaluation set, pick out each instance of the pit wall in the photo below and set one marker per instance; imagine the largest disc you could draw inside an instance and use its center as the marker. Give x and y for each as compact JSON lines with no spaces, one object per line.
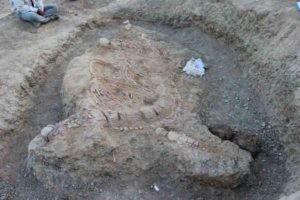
{"x":264,"y":35}
{"x":18,"y":97}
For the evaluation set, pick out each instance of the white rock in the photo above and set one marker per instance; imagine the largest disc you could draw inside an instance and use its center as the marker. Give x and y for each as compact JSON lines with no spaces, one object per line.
{"x":194,"y":67}
{"x":161,"y":131}
{"x":126,"y":22}
{"x":128,"y":27}
{"x":104,"y":42}
{"x":173,"y":136}
{"x":46,"y":131}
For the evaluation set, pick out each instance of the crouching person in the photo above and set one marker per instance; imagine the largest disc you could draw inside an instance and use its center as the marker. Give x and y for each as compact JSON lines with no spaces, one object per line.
{"x":34,"y":11}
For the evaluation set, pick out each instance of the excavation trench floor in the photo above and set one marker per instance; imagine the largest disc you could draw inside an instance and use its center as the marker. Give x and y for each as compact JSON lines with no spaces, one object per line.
{"x":225,"y":97}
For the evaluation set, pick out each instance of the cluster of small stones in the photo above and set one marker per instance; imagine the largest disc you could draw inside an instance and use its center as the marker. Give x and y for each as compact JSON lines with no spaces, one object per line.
{"x":161,"y":107}
{"x":107,"y":119}
{"x":75,"y":121}
{"x":117,"y":120}
{"x":181,"y":139}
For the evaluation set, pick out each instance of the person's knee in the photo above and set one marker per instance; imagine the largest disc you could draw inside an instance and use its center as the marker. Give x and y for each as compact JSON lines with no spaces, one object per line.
{"x":53,"y":8}
{"x":26,"y":16}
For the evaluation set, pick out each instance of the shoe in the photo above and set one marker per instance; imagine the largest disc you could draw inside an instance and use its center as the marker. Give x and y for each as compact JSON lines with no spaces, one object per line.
{"x":54,"y":17}
{"x":36,"y":24}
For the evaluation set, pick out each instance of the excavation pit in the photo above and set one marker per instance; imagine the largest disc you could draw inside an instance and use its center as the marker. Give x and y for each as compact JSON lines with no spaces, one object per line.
{"x":132,"y":116}
{"x":131,"y":124}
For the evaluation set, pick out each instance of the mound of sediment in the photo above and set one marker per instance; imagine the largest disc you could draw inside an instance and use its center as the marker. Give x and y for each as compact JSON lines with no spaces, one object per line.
{"x":121,"y":96}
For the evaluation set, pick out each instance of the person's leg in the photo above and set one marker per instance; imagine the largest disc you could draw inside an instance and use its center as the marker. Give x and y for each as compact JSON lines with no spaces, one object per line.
{"x":50,"y":11}
{"x":33,"y":17}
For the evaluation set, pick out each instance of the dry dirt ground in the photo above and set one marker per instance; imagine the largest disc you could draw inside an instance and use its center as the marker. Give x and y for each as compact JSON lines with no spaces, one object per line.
{"x":252,"y":84}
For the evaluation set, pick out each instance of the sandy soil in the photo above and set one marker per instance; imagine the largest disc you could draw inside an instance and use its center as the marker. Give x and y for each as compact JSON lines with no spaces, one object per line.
{"x":253,"y":89}
{"x":48,"y":109}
